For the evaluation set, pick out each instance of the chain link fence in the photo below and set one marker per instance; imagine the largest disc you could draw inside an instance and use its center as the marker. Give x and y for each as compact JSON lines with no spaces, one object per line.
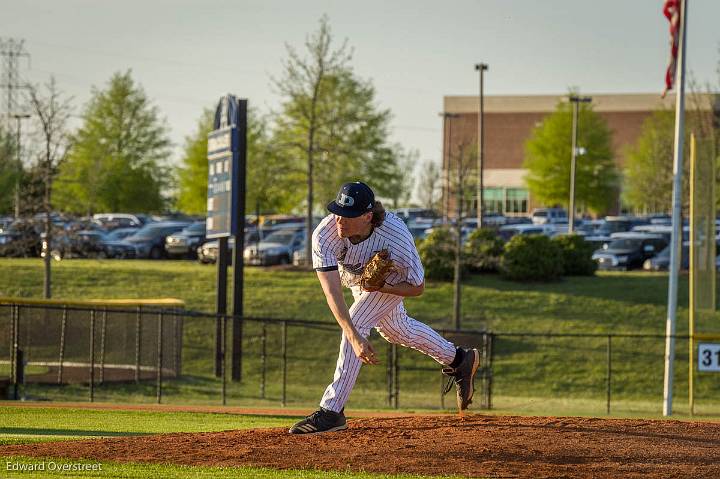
{"x":168,"y":355}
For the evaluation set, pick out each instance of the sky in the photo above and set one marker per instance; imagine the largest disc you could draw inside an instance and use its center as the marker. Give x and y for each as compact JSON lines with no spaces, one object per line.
{"x":187,"y":54}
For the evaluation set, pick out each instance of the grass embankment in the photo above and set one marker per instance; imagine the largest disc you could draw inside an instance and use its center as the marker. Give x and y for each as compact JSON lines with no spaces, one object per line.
{"x":569,"y":373}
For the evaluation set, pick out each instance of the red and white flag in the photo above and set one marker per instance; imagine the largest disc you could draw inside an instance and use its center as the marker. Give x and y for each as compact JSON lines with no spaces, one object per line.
{"x":671,"y":10}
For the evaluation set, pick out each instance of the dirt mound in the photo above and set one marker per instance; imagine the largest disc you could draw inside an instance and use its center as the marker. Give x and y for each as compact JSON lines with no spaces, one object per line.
{"x":489,"y":446}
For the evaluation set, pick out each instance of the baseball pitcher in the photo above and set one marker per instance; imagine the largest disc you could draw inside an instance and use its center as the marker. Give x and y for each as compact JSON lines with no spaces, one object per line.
{"x":372,"y":252}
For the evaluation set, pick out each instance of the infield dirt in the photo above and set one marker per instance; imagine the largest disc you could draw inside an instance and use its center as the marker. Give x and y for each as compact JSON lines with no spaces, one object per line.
{"x":479,"y":446}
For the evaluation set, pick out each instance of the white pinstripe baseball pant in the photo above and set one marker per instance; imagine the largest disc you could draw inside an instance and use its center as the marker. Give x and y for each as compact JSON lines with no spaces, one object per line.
{"x":386,"y":313}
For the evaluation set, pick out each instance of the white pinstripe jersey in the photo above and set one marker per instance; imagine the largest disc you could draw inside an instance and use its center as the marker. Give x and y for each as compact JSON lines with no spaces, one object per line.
{"x":330,"y":252}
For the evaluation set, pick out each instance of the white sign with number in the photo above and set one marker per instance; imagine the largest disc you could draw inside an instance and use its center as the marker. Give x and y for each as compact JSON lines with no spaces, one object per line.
{"x":708,"y":357}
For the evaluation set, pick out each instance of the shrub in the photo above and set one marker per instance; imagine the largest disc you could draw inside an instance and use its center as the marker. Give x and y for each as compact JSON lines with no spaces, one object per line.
{"x":576,"y":255}
{"x":532,"y":257}
{"x":437,"y":253}
{"x":483,"y":250}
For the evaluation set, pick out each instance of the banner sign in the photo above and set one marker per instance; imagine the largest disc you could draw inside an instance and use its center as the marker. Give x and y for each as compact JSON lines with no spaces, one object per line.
{"x":223,"y":170}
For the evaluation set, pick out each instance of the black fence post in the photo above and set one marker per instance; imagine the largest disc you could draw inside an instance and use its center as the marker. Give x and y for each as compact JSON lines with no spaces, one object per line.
{"x":159,"y":357}
{"x":14,"y":347}
{"x":609,"y":370}
{"x":486,"y":371}
{"x":389,"y":374}
{"x":103,"y":333}
{"x":63,"y":330}
{"x":443,"y":379}
{"x":284,"y":363}
{"x":396,"y":375}
{"x":20,"y":361}
{"x":489,"y":368}
{"x":92,"y":355}
{"x":263,"y":359}
{"x":223,"y":358}
{"x":177,"y":343}
{"x":138,"y":341}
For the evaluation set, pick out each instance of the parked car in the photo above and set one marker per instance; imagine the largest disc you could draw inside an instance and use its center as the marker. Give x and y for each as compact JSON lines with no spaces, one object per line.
{"x":282,"y":221}
{"x":541,"y":216}
{"x":629,"y":250}
{"x":508,"y":231}
{"x":90,"y":244}
{"x":276,"y":248}
{"x":207,"y":253}
{"x":120,"y":234}
{"x":409,"y":215}
{"x":185,"y":243}
{"x":618,"y":224}
{"x":661,"y":261}
{"x":5,"y":222}
{"x":21,"y":239}
{"x":111,"y":221}
{"x":149,"y":241}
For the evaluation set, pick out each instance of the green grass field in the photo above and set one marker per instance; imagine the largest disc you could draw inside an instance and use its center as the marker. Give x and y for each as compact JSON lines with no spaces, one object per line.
{"x":568,"y":373}
{"x":24,"y":425}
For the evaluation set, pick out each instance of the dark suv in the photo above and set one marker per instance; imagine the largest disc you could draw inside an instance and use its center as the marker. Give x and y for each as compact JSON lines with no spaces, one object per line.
{"x":149,"y":241}
{"x":629,"y":250}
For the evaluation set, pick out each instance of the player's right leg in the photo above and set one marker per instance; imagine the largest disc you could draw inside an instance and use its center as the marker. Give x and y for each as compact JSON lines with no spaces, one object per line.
{"x":459,"y":364}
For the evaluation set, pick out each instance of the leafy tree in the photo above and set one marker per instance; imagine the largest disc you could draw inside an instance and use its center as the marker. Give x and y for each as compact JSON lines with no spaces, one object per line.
{"x":547,"y":158}
{"x":648,"y":172}
{"x":266,"y":182}
{"x":50,"y":112}
{"x":10,"y":171}
{"x":428,"y":185}
{"x":329,"y":129}
{"x":117,"y":163}
{"x":193,"y":174}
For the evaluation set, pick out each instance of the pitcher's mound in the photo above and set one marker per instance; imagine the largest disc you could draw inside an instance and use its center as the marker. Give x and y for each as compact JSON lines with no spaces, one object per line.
{"x":480,"y":446}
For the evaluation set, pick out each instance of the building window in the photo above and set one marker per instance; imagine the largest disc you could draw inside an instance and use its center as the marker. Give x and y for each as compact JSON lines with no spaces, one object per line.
{"x":516,"y":200}
{"x":493,"y":200}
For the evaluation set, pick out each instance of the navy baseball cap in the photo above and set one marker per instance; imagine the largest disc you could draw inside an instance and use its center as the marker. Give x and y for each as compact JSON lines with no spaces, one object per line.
{"x":353,"y":200}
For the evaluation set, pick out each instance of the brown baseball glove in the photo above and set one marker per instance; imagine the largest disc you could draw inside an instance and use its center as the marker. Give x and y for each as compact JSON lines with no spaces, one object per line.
{"x":376,"y":271}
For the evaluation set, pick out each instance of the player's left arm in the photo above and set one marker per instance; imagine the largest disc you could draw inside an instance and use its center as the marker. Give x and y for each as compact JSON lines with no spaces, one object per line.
{"x":404,"y":289}
{"x":408,"y":259}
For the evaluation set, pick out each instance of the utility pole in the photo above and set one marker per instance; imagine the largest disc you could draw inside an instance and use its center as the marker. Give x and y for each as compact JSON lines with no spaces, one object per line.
{"x":480,"y":206}
{"x":575,"y":100}
{"x":11,"y":51}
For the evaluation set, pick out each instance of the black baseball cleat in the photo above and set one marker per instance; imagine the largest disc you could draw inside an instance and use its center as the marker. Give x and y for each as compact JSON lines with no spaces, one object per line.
{"x":322,"y":420}
{"x":464,"y":377}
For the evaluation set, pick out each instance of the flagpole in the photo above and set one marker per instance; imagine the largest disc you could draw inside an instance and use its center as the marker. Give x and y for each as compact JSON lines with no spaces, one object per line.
{"x":676,"y":217}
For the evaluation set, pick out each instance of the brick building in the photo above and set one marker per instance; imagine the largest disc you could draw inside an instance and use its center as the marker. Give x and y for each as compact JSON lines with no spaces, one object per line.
{"x":508,"y":121}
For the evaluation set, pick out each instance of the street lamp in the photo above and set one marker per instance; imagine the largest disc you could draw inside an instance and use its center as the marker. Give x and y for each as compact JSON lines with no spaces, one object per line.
{"x":575,"y":100}
{"x":480,"y":207}
{"x":18,"y":118}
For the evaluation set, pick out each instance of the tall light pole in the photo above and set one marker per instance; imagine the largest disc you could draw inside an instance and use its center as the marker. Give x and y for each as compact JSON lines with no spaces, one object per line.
{"x":18,"y":118}
{"x":480,"y":207}
{"x":575,"y":100}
